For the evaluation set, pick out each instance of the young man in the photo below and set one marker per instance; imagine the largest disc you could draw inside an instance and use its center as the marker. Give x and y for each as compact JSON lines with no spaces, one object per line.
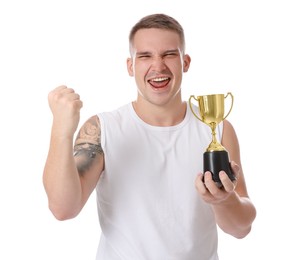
{"x":143,"y":160}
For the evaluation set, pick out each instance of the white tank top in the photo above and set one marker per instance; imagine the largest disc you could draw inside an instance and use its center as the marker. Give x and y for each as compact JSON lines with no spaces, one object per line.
{"x":148,"y":205}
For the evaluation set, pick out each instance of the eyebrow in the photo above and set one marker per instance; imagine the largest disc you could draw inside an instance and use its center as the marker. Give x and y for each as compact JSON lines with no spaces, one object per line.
{"x":149,"y":53}
{"x":172,"y":51}
{"x":143,"y":53}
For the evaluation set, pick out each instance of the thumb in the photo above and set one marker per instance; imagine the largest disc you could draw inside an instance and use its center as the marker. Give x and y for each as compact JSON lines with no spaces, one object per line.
{"x":236,"y":168}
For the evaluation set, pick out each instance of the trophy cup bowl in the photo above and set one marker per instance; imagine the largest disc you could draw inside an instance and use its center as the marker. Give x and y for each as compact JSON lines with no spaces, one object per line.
{"x":211,"y":109}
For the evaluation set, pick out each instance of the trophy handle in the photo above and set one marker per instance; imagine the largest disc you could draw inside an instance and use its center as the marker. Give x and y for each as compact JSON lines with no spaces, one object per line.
{"x":190,"y":104}
{"x":232,"y":97}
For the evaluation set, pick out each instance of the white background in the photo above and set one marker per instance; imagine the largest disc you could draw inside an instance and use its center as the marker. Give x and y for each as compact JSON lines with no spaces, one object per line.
{"x":250,"y":48}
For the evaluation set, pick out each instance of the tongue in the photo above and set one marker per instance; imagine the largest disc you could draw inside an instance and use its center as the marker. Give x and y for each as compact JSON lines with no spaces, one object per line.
{"x":159,"y":84}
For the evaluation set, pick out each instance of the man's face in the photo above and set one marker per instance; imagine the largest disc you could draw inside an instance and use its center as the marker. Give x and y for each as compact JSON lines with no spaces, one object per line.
{"x":157,"y":62}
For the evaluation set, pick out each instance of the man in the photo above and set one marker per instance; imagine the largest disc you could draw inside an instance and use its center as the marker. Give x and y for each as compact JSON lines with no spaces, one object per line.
{"x":143,"y":161}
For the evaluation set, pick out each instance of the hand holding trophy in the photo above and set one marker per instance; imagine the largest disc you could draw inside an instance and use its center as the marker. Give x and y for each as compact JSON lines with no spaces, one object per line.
{"x":211,"y":111}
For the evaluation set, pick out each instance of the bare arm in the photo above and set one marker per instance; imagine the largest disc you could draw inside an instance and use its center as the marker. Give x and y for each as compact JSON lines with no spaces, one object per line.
{"x":234,"y":212}
{"x":88,"y":155}
{"x":67,"y":187}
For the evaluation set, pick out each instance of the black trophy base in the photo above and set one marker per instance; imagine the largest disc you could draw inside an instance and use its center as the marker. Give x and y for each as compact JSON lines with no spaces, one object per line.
{"x":215,"y":162}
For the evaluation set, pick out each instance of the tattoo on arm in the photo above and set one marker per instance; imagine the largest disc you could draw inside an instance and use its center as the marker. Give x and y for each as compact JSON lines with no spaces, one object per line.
{"x":88,"y":144}
{"x":88,"y":149}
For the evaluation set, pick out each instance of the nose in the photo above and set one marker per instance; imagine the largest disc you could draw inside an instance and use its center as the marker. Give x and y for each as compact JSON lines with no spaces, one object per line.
{"x":158,"y":63}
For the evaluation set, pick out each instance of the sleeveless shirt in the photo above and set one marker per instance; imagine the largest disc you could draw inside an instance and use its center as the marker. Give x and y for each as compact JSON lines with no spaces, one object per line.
{"x":148,"y":206}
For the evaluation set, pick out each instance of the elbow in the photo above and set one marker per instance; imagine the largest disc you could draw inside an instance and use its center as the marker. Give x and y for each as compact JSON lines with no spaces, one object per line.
{"x":62,"y":214}
{"x":244,"y":229}
{"x":240,"y":230}
{"x":242,"y":233}
{"x":62,"y":217}
{"x":238,"y":233}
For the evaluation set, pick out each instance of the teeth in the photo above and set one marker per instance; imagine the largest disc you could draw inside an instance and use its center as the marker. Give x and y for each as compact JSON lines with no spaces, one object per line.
{"x":159,"y":79}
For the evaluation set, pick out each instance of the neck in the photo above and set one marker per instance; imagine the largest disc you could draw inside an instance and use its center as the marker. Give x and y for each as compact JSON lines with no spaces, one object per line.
{"x":156,"y":115}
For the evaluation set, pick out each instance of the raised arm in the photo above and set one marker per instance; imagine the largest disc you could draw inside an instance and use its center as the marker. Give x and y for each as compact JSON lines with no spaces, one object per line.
{"x":234,"y":211}
{"x":71,"y":173}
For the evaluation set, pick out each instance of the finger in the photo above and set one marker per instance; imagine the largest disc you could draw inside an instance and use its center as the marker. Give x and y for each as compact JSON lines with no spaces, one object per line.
{"x":66,"y":94}
{"x":228,"y":185}
{"x":211,"y":185}
{"x":236,"y":169}
{"x":67,"y":90}
{"x":61,"y":87}
{"x":73,"y":96}
{"x":199,"y":184}
{"x":78,"y":104}
{"x":208,"y":179}
{"x":56,"y":90}
{"x":62,"y":90}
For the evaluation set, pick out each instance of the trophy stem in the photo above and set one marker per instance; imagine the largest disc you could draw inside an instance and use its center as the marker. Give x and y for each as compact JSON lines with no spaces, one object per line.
{"x":213,"y":126}
{"x":214,"y":145}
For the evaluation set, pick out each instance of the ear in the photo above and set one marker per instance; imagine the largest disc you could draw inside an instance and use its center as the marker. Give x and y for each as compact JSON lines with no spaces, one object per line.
{"x":130,"y":67}
{"x":187,"y":61}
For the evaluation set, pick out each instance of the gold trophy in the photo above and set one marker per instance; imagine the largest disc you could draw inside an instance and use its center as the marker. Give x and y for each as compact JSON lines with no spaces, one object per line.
{"x":211,"y":111}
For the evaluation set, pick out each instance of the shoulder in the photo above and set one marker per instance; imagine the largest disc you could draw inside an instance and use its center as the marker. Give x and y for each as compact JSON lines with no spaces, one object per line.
{"x":90,"y":131}
{"x":92,"y":123}
{"x":229,"y":138}
{"x":122,"y":110}
{"x":228,"y":129}
{"x":115,"y":117}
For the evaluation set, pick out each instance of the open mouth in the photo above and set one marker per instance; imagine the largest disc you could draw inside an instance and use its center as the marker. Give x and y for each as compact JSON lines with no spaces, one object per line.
{"x":159,"y":82}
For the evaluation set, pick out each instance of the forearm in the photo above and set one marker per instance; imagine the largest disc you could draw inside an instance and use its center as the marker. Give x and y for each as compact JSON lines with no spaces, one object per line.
{"x":235,"y":216}
{"x":61,"y":179}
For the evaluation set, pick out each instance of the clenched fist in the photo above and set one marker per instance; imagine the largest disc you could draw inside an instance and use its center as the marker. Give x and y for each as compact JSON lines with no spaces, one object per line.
{"x":65,"y":105}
